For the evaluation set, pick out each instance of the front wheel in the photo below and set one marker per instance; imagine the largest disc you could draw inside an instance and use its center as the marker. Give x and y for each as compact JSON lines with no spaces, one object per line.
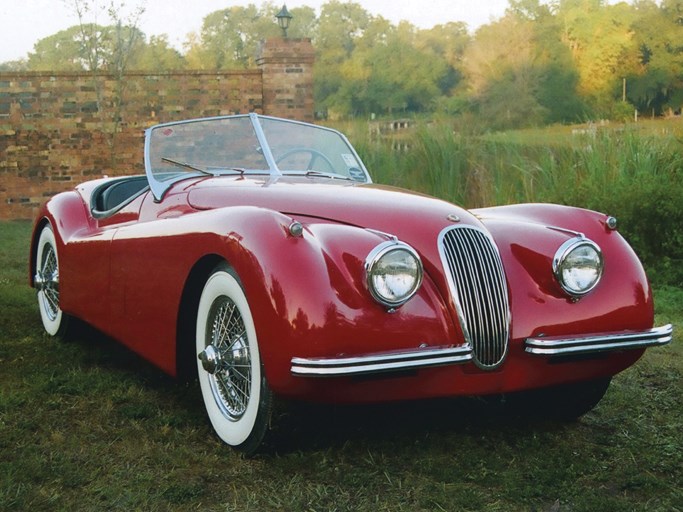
{"x":46,"y":282}
{"x":234,"y":388}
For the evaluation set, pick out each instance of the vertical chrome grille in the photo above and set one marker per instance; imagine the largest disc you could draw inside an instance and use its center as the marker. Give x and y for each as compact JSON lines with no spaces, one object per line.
{"x":477,"y":280}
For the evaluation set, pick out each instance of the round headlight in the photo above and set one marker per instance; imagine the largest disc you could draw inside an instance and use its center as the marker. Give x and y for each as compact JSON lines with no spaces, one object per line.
{"x":578,"y":266}
{"x":394,"y":273}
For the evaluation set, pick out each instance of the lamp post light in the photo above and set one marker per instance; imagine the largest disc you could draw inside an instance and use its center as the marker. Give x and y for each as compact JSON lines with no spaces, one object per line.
{"x":283,"y":19}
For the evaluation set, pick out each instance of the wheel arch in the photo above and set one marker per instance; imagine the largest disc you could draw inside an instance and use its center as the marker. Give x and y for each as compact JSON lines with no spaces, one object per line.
{"x":33,"y":258}
{"x":186,"y":368}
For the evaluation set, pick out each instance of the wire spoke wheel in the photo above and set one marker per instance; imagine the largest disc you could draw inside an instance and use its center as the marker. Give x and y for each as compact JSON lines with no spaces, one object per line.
{"x":49,"y":273}
{"x":46,"y":282}
{"x":231,"y":383}
{"x":234,"y":388}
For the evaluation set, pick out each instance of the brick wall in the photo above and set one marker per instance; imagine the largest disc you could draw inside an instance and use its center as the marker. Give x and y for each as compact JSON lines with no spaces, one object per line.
{"x":287,"y":66}
{"x":59,"y":129}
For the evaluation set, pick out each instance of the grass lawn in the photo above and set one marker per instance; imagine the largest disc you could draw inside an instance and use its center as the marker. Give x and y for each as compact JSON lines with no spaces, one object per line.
{"x":86,"y":425}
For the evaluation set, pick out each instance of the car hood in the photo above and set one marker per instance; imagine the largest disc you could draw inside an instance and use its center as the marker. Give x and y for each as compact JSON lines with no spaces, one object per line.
{"x":382,"y":208}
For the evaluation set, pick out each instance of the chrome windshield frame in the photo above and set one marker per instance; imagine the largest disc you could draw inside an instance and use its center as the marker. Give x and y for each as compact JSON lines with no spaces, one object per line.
{"x":160,"y":187}
{"x":265,"y":147}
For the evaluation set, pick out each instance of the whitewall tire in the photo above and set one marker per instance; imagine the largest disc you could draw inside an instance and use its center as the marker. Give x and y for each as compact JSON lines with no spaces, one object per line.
{"x":233,"y":385}
{"x":46,"y":282}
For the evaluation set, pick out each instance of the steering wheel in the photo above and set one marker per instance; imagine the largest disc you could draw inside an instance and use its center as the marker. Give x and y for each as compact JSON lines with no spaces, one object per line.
{"x":315,"y":155}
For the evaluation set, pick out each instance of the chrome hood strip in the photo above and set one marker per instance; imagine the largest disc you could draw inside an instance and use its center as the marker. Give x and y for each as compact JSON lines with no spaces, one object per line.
{"x":566,"y":346}
{"x":380,"y":362}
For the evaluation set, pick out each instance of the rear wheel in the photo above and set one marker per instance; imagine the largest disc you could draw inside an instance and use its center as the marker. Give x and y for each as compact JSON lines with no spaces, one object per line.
{"x":234,"y":388}
{"x":46,"y":282}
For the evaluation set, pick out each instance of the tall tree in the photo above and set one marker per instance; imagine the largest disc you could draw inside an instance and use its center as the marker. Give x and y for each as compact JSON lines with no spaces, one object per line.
{"x":340,"y":26}
{"x":518,"y":70}
{"x":158,"y":55}
{"x":501,"y":74}
{"x":64,"y":51}
{"x":229,"y":37}
{"x":603,"y":47}
{"x":387,"y":72}
{"x":657,"y":85}
{"x":447,"y":43}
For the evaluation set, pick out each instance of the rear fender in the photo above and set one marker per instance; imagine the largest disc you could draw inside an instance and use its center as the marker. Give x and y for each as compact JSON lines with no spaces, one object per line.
{"x":67,"y":215}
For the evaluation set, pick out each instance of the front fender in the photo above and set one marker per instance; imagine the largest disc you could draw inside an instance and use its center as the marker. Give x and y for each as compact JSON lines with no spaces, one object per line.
{"x":307,"y":293}
{"x":309,"y":298}
{"x":622,"y":300}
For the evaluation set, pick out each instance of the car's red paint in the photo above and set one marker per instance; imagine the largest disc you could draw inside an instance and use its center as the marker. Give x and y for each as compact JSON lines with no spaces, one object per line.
{"x":125,"y":274}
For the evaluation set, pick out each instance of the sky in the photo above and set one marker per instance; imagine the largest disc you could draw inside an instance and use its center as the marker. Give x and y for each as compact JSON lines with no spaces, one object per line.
{"x":24,"y":22}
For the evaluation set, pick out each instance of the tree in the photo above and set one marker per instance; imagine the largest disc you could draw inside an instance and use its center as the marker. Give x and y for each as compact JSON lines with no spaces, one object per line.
{"x":14,"y":65}
{"x":158,"y":55}
{"x":447,"y":43}
{"x":340,"y":26}
{"x":501,"y":75}
{"x":601,"y":39}
{"x":108,"y":49}
{"x":657,"y":85}
{"x":63,"y":51}
{"x":518,"y":70}
{"x":229,"y":38}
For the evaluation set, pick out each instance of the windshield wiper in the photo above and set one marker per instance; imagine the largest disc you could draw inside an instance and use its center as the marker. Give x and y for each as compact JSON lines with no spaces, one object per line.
{"x":331,"y":175}
{"x":185,"y":165}
{"x":210,"y":172}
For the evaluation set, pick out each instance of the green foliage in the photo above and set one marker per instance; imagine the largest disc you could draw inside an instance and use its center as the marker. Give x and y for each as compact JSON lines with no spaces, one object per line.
{"x":112,"y":48}
{"x":229,"y":37}
{"x":540,"y":63}
{"x":657,"y":84}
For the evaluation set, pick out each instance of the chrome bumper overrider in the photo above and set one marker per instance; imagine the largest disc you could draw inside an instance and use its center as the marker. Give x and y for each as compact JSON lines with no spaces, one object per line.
{"x":564,"y":346}
{"x":381,"y":362}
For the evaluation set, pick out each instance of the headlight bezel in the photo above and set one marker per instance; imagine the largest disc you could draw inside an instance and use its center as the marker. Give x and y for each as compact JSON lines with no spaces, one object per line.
{"x":561,"y":259}
{"x":372,"y":262}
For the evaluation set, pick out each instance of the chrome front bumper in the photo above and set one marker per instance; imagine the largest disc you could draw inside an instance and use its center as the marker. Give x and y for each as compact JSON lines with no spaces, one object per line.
{"x":423,"y":357}
{"x":568,"y":346}
{"x":426,"y":357}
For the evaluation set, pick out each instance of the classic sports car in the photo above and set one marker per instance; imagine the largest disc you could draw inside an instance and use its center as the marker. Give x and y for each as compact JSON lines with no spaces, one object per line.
{"x":257,"y":252}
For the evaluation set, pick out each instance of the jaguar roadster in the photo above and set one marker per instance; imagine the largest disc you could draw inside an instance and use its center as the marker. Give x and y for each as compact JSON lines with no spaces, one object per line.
{"x":257,"y":252}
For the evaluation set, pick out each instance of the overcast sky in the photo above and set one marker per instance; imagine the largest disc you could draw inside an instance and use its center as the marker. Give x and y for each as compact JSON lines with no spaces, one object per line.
{"x":24,"y":22}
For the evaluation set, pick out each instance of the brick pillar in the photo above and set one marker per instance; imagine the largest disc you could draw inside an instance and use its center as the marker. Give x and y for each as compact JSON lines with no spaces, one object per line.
{"x":287,"y":66}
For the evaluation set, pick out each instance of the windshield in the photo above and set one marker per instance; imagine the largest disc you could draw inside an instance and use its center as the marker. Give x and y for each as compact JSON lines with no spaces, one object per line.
{"x":247,"y":144}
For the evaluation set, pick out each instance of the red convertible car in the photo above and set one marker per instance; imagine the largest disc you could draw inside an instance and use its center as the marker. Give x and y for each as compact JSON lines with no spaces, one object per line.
{"x":258,"y":252}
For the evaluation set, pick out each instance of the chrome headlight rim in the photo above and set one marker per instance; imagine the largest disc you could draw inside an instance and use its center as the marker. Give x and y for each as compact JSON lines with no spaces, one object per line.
{"x":564,"y":251}
{"x":371,"y":262}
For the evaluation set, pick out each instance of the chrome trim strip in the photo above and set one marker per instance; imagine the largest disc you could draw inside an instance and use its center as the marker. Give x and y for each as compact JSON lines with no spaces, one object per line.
{"x":380,"y":362}
{"x":560,"y":346}
{"x":265,"y":148}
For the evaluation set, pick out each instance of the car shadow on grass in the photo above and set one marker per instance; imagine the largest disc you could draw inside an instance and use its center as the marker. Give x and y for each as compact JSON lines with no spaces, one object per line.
{"x":304,"y":427}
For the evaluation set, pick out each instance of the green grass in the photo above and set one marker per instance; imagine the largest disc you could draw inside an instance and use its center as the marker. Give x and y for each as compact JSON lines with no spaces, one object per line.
{"x":86,"y":425}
